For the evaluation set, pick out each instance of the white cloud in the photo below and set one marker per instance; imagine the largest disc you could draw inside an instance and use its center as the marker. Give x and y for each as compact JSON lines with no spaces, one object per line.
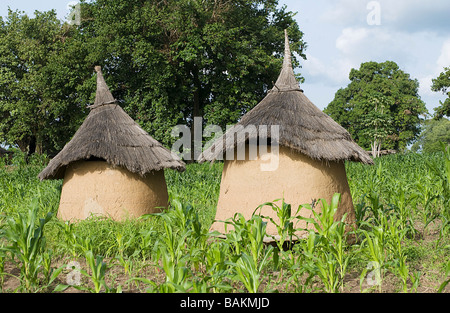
{"x":425,"y":80}
{"x":444,"y":58}
{"x":350,"y":40}
{"x":377,"y":44}
{"x":417,"y":15}
{"x":354,"y":46}
{"x":405,"y":15}
{"x":333,"y":73}
{"x":425,"y":85}
{"x":442,"y":61}
{"x":313,"y":65}
{"x":344,"y":12}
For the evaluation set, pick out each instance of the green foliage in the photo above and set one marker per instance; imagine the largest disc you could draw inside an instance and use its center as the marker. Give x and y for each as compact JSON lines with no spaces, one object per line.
{"x":247,"y":237}
{"x":2,"y":266}
{"x":97,"y":270}
{"x":442,"y":84}
{"x":26,"y":243}
{"x":397,"y":123}
{"x":214,"y":59}
{"x":434,"y":132}
{"x":378,"y":124}
{"x":285,"y":224}
{"x":445,"y":148}
{"x":45,"y":83}
{"x":401,"y":189}
{"x":175,"y":252}
{"x":165,"y":62}
{"x":445,"y":282}
{"x":329,"y":258}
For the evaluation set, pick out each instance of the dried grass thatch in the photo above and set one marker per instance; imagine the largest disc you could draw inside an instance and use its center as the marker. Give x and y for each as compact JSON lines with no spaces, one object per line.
{"x":108,"y":133}
{"x":302,"y":126}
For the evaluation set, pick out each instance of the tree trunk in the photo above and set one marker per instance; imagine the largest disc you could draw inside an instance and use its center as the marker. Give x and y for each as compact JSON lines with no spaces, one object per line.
{"x":23,"y":144}
{"x":196,"y":147}
{"x":32,"y":146}
{"x":376,"y":148}
{"x":372,"y":146}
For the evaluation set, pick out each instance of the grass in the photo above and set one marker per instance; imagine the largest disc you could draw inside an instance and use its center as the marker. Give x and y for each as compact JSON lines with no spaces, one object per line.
{"x":403,"y":245}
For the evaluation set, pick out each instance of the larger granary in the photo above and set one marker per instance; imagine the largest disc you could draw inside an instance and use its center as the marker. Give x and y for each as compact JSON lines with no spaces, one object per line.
{"x":111,"y":167}
{"x":310,"y":157}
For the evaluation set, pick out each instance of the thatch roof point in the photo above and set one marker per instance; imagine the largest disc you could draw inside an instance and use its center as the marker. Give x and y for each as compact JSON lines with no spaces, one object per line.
{"x":103,"y":95}
{"x":286,"y":80}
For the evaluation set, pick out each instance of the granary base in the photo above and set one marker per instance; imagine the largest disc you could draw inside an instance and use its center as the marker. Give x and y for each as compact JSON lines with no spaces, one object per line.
{"x":297,"y":178}
{"x":95,"y":188}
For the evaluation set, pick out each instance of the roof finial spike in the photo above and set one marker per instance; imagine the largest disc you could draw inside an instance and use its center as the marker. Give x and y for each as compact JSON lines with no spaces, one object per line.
{"x":103,"y":95}
{"x":287,"y":62}
{"x":286,"y":81}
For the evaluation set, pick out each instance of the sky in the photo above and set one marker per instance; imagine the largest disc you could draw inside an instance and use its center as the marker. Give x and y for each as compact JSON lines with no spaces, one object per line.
{"x":342,"y":34}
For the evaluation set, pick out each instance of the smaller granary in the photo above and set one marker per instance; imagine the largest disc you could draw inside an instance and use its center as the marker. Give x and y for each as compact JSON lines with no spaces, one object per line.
{"x":310,"y":150}
{"x":111,"y":167}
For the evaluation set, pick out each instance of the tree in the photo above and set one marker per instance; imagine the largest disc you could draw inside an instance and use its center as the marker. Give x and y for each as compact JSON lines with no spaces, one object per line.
{"x":442,"y":84}
{"x":166,"y":62}
{"x":171,"y":61}
{"x":380,"y":107}
{"x":434,"y":132}
{"x":378,"y":124}
{"x":44,"y":83}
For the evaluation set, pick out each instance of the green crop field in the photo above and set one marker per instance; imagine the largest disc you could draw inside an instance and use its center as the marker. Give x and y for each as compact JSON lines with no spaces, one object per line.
{"x":401,"y":243}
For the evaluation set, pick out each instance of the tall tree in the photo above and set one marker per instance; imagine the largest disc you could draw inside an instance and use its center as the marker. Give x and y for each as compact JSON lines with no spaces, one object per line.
{"x":442,"y":84}
{"x":173,"y":60}
{"x":44,"y":86}
{"x":378,"y":124}
{"x":434,"y":132}
{"x":166,"y":62}
{"x":357,"y":107}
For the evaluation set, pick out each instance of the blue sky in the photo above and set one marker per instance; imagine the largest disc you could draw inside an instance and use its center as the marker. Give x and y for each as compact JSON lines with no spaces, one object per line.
{"x":413,"y":33}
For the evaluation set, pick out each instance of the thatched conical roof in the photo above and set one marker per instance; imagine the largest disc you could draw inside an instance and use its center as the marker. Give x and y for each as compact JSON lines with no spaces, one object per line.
{"x":302,"y":126}
{"x":110,"y":134}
